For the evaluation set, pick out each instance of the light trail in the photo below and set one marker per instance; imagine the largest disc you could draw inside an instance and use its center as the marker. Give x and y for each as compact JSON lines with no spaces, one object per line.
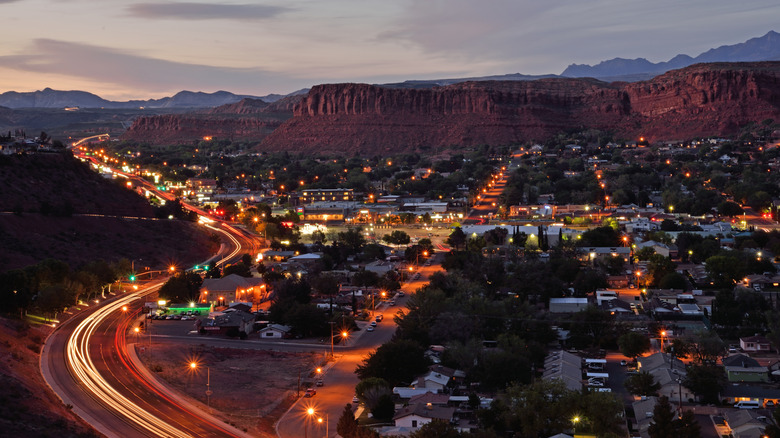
{"x":230,"y":236}
{"x":77,"y":352}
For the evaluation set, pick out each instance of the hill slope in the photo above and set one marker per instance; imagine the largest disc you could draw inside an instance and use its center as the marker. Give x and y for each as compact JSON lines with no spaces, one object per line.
{"x":55,"y":206}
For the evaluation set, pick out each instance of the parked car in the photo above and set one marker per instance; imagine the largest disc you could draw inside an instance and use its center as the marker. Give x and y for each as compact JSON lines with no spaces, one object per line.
{"x":623,"y":363}
{"x":369,"y":329}
{"x":320,"y":382}
{"x":310,"y":392}
{"x":379,"y":318}
{"x":355,"y":399}
{"x":373,"y":323}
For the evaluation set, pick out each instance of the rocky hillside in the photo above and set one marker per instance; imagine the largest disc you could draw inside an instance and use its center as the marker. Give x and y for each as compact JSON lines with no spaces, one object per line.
{"x":52,"y":205}
{"x":249,"y":119}
{"x":28,"y":408}
{"x":701,"y":100}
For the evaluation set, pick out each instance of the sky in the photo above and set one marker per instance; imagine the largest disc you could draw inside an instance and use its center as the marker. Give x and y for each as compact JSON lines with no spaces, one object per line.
{"x":142,"y":49}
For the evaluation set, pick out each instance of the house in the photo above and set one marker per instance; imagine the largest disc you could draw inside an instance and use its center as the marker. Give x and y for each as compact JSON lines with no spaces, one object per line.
{"x":755,"y":343}
{"x":230,"y":289}
{"x":660,"y":360}
{"x":619,"y":281}
{"x":616,"y":307}
{"x":432,"y":380}
{"x":568,"y":305}
{"x":643,"y":413}
{"x":276,"y":331}
{"x":431,"y":398}
{"x":742,"y":368}
{"x":564,"y":366}
{"x":737,"y":392}
{"x":417,"y":415}
{"x":745,"y":423}
{"x":231,"y":319}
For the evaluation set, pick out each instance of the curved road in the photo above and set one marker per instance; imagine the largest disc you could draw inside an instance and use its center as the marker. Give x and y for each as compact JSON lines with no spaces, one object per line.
{"x":86,"y":362}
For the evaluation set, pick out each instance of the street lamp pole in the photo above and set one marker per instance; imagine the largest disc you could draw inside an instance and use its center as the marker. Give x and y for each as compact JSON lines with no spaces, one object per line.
{"x":331,"y":338}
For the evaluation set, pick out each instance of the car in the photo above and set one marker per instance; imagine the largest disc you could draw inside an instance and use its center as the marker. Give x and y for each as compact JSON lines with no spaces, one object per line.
{"x":392,"y":303}
{"x":595,"y":382}
{"x":355,"y":399}
{"x":320,"y":382}
{"x":770,"y":403}
{"x":186,"y":318}
{"x":623,"y":363}
{"x":379,"y":318}
{"x":373,"y":323}
{"x":400,"y":293}
{"x":369,"y":329}
{"x":310,"y":392}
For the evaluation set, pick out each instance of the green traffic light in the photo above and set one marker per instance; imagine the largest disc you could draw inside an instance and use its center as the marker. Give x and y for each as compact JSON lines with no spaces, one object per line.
{"x":207,"y":268}
{"x":132,"y":278}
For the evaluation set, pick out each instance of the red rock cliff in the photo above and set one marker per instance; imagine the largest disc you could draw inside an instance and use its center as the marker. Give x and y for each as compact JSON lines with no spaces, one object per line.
{"x":701,"y":100}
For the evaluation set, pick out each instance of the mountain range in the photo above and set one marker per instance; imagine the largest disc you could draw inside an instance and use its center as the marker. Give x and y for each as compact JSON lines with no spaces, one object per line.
{"x":48,"y":98}
{"x":765,"y":48}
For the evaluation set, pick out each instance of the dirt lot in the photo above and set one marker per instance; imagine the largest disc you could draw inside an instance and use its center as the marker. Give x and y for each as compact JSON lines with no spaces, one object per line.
{"x":251,"y":389}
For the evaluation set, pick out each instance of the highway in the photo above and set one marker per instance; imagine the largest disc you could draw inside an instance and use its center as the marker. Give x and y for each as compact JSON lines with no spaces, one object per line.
{"x":85,"y":361}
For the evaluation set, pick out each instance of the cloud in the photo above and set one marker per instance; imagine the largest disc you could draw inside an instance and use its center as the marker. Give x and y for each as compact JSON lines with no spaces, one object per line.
{"x":126,"y":70}
{"x":8,"y":1}
{"x":204,"y":11}
{"x":536,"y":36}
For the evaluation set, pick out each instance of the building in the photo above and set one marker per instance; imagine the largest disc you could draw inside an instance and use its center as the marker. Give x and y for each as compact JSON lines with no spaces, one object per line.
{"x":568,"y":305}
{"x":276,"y":331}
{"x":564,"y":366}
{"x":756,"y":343}
{"x":742,"y":368}
{"x":309,"y":196}
{"x":230,"y":289}
{"x":417,"y":415}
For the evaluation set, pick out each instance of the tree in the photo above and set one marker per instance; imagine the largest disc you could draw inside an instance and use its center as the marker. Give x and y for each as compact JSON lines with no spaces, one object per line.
{"x":633,"y":344}
{"x":706,"y":381}
{"x":397,"y":237}
{"x":182,"y":287}
{"x":347,"y":425}
{"x":662,"y":425}
{"x":643,"y":384}
{"x":687,"y":426}
{"x":240,"y":268}
{"x":456,"y":239}
{"x":436,"y":429}
{"x":385,"y":408}
{"x":398,"y":362}
{"x":729,"y":208}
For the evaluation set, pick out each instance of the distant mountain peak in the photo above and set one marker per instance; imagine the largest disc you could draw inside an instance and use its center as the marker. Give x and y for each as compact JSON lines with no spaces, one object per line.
{"x":764,"y":48}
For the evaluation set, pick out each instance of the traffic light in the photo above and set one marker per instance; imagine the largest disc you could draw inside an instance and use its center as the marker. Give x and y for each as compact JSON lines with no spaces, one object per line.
{"x":196,"y":267}
{"x":132,"y":277}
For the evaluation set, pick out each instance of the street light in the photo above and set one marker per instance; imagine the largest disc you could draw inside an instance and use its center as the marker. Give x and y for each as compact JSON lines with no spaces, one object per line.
{"x":663,"y":334}
{"x":327,"y":421}
{"x":309,"y":412}
{"x":575,"y":420}
{"x":193,"y":366}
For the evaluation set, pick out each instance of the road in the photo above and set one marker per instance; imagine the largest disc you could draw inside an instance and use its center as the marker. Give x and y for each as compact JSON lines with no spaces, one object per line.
{"x":340,"y":378}
{"x":85,"y":361}
{"x":487,"y":204}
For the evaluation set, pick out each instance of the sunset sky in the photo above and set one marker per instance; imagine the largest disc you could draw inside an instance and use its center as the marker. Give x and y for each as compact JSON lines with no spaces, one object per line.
{"x":149,"y":49}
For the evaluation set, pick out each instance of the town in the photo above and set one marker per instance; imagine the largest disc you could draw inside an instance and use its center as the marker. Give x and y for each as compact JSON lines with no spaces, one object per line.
{"x":651,"y":299}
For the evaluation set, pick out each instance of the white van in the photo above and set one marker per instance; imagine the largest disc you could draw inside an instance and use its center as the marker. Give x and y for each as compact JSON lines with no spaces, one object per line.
{"x":747,"y":405}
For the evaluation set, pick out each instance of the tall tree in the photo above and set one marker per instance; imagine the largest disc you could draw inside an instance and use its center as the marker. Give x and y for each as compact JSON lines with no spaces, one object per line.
{"x":662,"y":425}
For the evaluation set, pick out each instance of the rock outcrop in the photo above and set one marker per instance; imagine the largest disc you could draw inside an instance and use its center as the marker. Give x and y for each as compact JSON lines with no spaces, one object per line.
{"x":700,"y":100}
{"x":249,"y":119}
